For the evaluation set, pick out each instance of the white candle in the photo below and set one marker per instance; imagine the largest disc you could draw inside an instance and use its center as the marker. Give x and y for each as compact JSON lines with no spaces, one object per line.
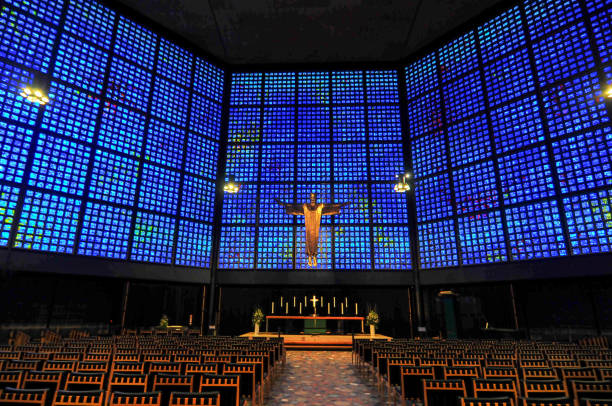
{"x":286,"y":307}
{"x":334,"y":302}
{"x":305,"y":301}
{"x":321,"y":301}
{"x":341,"y":308}
{"x":355,"y":308}
{"x":328,"y":308}
{"x":272,"y":307}
{"x":281,"y":301}
{"x":300,"y":308}
{"x":293,"y":301}
{"x":346,"y":301}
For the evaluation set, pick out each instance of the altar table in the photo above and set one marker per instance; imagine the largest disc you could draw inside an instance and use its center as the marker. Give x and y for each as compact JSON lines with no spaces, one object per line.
{"x":316,"y":318}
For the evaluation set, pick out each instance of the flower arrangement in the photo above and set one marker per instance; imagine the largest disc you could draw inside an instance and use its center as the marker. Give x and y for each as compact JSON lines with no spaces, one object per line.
{"x":372,"y":319}
{"x":258,"y":317}
{"x":163,"y":323}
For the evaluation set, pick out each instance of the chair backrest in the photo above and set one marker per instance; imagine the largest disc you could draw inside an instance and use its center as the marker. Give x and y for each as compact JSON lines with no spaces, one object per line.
{"x":438,"y":392}
{"x":598,"y":402}
{"x":490,"y":401}
{"x":592,"y":389}
{"x":127,"y":382}
{"x":227,"y":385}
{"x":11,"y":379}
{"x":164,"y":368}
{"x":67,"y":356}
{"x":495,"y":388}
{"x":79,"y":398}
{"x":539,"y":373}
{"x":412,"y":377}
{"x":195,"y":399}
{"x":582,"y":374}
{"x":21,"y":365}
{"x":247,"y":374}
{"x":126,"y":357}
{"x":25,"y":397}
{"x":59,"y":366}
{"x":135,"y":399}
{"x":547,"y":402}
{"x":500,"y":362}
{"x":540,"y":388}
{"x":127,"y":367}
{"x":187,"y":358}
{"x":85,"y":381}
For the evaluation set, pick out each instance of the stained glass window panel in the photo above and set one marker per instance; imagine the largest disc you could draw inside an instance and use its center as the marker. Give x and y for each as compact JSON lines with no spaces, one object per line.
{"x":47,"y":10}
{"x":382,"y":86}
{"x":425,"y":114}
{"x":174,"y":62}
{"x":463,"y":97}
{"x":475,"y":188}
{"x":275,"y":248}
{"x":12,"y":105}
{"x":205,"y":117}
{"x":198,"y":200}
{"x":508,"y":77}
{"x":165,"y":144}
{"x":279,"y":124}
{"x":122,"y":130}
{"x":438,"y":244}
{"x":153,"y":238}
{"x":240,"y":208}
{"x":237,"y":248}
{"x":352,"y":247}
{"x":358,"y":209}
{"x":80,"y":64}
{"x":197,"y":147}
{"x":128,"y":84}
{"x":525,"y":175}
{"x":113,"y":178}
{"x":350,"y":162}
{"x":348,"y":123}
{"x":482,"y":238}
{"x":428,"y":155}
{"x":243,"y":162}
{"x":91,"y":21}
{"x":15,"y":143}
{"x":469,"y":141}
{"x":421,"y":76}
{"x":105,"y":231}
{"x":384,"y":123}
{"x":458,"y":57}
{"x":8,"y":203}
{"x":347,"y":87}
{"x":433,"y":198}
{"x":589,"y":220}
{"x":279,"y":88}
{"x":246,"y":89}
{"x":392,"y":248}
{"x":501,"y":34}
{"x":208,"y":80}
{"x":313,"y":163}
{"x":270,"y":212}
{"x":313,"y":124}
{"x":244,"y":124}
{"x":517,"y":125}
{"x":313,"y":88}
{"x":277,"y":163}
{"x":386,"y":161}
{"x":170,"y":102}
{"x":135,"y":43}
{"x":388,"y":206}
{"x":159,"y":189}
{"x":194,"y":244}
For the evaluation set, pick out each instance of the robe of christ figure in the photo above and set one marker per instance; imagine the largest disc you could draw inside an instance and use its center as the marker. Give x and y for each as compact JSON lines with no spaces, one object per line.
{"x":312,"y":213}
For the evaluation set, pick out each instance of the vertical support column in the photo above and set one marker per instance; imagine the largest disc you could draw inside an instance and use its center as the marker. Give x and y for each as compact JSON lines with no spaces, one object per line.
{"x":203,"y":310}
{"x":124,"y":304}
{"x":514,"y":309}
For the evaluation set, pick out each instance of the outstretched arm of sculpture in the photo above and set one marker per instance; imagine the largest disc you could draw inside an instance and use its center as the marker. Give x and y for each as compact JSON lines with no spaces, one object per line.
{"x":333,"y":208}
{"x":295,"y":209}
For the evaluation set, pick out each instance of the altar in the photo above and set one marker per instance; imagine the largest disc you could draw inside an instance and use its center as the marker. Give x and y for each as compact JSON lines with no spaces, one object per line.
{"x":310,"y":322}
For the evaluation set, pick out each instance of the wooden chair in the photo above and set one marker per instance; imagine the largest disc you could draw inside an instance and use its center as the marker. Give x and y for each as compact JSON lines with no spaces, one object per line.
{"x":438,"y":392}
{"x":228,"y":387}
{"x":437,"y":363}
{"x":7,"y":355}
{"x":79,"y":398}
{"x":592,"y":389}
{"x":539,"y":373}
{"x":128,"y":382}
{"x":412,"y":387}
{"x":67,"y":366}
{"x":187,"y":358}
{"x":26,"y":397}
{"x":498,"y":401}
{"x":580,"y":374}
{"x":21,"y":365}
{"x":50,"y":380}
{"x":248,"y":386}
{"x":541,"y":388}
{"x":500,"y":363}
{"x":92,"y":366}
{"x":605,"y":374}
{"x":494,"y":388}
{"x":126,"y":367}
{"x":598,"y":363}
{"x":195,"y":399}
{"x":394,"y":374}
{"x":84,"y":381}
{"x":167,"y":383}
{"x":135,"y":399}
{"x":164,"y":368}
{"x":258,"y":363}
{"x":547,"y":402}
{"x":39,"y":356}
{"x":67,"y":356}
{"x":198,"y":370}
{"x":598,"y":402}
{"x":11,"y":379}
{"x":126,"y":357}
{"x":466,"y":374}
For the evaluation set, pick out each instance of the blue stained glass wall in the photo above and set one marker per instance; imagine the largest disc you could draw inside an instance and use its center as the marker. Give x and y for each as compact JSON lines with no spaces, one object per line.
{"x":334,"y":133}
{"x":123,"y":162}
{"x":510,"y":137}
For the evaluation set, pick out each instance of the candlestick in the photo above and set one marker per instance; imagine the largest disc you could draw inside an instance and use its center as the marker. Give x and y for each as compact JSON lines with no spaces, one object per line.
{"x":272,"y":307}
{"x":341,"y":308}
{"x":305,"y":301}
{"x":355,"y":308}
{"x":328,"y":308}
{"x":300,"y":308}
{"x":346,"y":301}
{"x":286,"y":307}
{"x":293,"y":301}
{"x":321,"y":301}
{"x":334,"y":302}
{"x":281,"y":301}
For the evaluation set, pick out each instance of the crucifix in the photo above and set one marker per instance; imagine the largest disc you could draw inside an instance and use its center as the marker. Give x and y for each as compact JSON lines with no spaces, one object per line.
{"x":314,"y":301}
{"x":312,"y":213}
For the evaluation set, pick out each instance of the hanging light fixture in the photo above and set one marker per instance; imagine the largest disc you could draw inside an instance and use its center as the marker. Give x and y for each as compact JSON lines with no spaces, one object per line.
{"x":34,"y":95}
{"x":231,"y":186}
{"x":608,"y":92}
{"x":403,"y":183}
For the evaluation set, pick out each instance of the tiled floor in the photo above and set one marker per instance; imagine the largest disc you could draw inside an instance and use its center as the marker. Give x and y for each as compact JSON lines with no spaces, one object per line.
{"x":322,"y":378}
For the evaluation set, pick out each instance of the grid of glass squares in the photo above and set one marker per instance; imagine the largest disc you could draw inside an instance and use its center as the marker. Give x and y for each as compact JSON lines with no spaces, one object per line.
{"x":482,"y":238}
{"x":358,"y":209}
{"x":15,"y":142}
{"x":384,"y":123}
{"x":243,"y":162}
{"x":313,"y":124}
{"x":128,"y":84}
{"x":313,"y":88}
{"x":594,"y":5}
{"x":508,"y":77}
{"x":275,"y":248}
{"x":12,"y":105}
{"x":71,"y":113}
{"x":517,"y":124}
{"x":90,"y":21}
{"x":438,"y":244}
{"x":113,"y":178}
{"x":324,"y":253}
{"x":421,"y":76}
{"x":198,"y":199}
{"x":48,"y":223}
{"x":428,"y":155}
{"x":277,"y":163}
{"x":174,"y":62}
{"x":544,"y":16}
{"x":59,"y":165}
{"x":153,"y":238}
{"x":475,"y":188}
{"x":463,"y":97}
{"x":388,"y":206}
{"x":386,"y":161}
{"x":244,"y":124}
{"x":270,"y":212}
{"x":237,"y":248}
{"x":8,"y":203}
{"x":589,"y":220}
{"x":25,"y":41}
{"x":424,"y":114}
{"x":246,"y":89}
{"x":392,"y":248}
{"x":347,"y":87}
{"x":159,"y":189}
{"x":278,"y":124}
{"x":348,"y":123}
{"x":240,"y":208}
{"x":350,"y":162}
{"x":313,"y":163}
{"x":433,"y":198}
{"x":525,"y":175}
{"x":563,"y":54}
{"x":170,"y":102}
{"x":135,"y":43}
{"x":535,"y":231}
{"x":48,"y":10}
{"x":573,"y":106}
{"x":164,"y":144}
{"x":205,"y":117}
{"x":121,"y":130}
{"x":458,"y":57}
{"x":602,"y":31}
{"x":584,"y":160}
{"x":352,"y":247}
{"x":469,"y":141}
{"x":194,"y":244}
{"x":382,"y":86}
{"x":105,"y":231}
{"x":279,"y":88}
{"x":80,"y":64}
{"x":501,"y":34}
{"x":208,"y":80}
{"x":198,"y":147}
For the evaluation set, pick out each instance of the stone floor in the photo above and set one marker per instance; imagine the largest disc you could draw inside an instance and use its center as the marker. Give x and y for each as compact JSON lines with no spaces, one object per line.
{"x":322,"y":378}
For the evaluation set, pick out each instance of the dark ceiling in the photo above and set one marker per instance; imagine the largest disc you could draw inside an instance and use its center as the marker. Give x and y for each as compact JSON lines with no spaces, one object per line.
{"x":310,"y":31}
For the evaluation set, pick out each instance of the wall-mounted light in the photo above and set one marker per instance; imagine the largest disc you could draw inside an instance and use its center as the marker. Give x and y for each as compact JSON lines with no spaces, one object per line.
{"x":34,"y":95}
{"x":231,"y":186}
{"x":608,"y":93}
{"x":403,"y":183}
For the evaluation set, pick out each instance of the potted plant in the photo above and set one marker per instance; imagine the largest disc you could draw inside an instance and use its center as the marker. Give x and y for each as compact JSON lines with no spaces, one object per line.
{"x":258,"y":317}
{"x":163,"y":323}
{"x":372,"y":320}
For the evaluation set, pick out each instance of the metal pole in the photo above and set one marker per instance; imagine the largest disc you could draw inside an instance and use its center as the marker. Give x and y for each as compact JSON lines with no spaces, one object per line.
{"x":124,"y":304}
{"x":514,"y":311}
{"x":203,"y":309}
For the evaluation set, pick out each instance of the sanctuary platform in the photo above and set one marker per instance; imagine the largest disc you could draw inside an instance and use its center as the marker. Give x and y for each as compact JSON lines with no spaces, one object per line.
{"x":319,"y":341}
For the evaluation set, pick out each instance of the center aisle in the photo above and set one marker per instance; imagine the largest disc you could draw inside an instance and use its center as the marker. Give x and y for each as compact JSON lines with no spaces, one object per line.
{"x":321,"y":378}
